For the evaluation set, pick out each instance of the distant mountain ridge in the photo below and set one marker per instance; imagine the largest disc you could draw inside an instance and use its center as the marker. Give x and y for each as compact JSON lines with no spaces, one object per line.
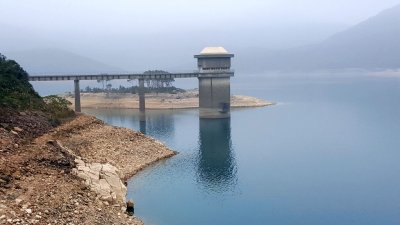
{"x":56,"y":61}
{"x":372,"y":44}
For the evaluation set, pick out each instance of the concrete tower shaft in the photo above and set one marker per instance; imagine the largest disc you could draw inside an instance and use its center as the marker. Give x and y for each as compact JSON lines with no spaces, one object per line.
{"x":214,"y":88}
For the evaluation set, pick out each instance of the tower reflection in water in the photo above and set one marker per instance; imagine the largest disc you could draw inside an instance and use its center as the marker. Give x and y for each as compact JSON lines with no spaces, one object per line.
{"x":217,"y":169}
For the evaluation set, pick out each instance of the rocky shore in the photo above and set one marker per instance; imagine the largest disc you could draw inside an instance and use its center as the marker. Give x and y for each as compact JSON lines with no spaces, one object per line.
{"x":72,"y":174}
{"x":188,"y":99}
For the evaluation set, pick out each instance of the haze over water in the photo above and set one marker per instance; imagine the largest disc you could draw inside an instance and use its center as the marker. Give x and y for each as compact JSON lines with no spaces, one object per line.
{"x":327,"y":153}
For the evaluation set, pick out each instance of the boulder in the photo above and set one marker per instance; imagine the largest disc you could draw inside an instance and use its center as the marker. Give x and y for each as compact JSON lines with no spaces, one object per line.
{"x":104,"y":179}
{"x":18,"y":129}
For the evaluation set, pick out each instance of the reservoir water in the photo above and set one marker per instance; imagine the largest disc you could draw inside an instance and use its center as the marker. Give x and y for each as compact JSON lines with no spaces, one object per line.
{"x":327,"y":154}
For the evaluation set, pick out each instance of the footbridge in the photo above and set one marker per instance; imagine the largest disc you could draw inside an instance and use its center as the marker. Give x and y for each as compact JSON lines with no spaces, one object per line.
{"x":213,"y":73}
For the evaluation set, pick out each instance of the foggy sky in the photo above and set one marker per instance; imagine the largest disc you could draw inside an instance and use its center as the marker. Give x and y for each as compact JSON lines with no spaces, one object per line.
{"x":147,"y":16}
{"x":141,"y":34}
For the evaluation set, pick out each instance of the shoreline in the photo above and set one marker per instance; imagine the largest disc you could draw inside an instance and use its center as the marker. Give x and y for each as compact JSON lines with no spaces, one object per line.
{"x":54,"y":188}
{"x":186,"y":100}
{"x":129,"y":150}
{"x":77,"y":172}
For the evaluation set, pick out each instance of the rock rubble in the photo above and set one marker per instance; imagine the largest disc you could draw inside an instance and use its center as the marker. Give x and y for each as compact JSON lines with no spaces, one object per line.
{"x":104,"y":179}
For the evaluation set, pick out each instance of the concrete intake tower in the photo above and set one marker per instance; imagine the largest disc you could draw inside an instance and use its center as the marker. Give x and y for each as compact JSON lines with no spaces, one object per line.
{"x":214,"y":65}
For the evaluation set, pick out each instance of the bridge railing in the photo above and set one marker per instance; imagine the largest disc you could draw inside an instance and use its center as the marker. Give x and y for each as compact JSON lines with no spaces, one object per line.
{"x":128,"y":76}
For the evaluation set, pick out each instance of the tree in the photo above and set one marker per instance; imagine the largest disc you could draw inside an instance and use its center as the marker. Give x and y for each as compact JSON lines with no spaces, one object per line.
{"x":58,"y":106}
{"x":157,"y":84}
{"x":15,"y":89}
{"x":133,"y":86}
{"x":102,"y":82}
{"x":109,"y":87}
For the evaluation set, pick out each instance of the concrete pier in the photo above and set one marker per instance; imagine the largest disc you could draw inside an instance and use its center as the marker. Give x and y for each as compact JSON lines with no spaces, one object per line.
{"x":214,"y":82}
{"x":142,"y":100}
{"x":77,"y":96}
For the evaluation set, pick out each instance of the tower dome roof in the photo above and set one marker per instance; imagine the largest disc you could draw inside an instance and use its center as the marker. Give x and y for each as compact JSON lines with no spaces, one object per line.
{"x":214,"y":51}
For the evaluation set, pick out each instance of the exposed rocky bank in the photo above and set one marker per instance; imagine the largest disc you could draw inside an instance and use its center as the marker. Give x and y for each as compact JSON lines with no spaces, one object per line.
{"x":70,"y":174}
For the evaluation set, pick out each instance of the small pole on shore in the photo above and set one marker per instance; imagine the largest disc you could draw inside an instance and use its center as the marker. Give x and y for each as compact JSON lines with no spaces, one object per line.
{"x":142,"y":101}
{"x":130,"y":208}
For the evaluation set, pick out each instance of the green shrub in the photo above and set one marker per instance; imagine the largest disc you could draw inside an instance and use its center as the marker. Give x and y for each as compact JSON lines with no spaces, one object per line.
{"x":58,"y":106}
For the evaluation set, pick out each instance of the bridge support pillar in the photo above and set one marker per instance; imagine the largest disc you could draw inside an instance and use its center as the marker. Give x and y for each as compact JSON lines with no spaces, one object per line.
{"x":142,"y":101}
{"x":77,"y":96}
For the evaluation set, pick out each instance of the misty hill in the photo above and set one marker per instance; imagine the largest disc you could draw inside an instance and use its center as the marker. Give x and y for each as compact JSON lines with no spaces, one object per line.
{"x":56,"y":61}
{"x":167,"y":50}
{"x":372,"y":44}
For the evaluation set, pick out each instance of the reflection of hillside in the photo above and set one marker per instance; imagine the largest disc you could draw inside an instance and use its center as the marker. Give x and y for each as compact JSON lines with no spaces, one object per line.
{"x":216,"y":165}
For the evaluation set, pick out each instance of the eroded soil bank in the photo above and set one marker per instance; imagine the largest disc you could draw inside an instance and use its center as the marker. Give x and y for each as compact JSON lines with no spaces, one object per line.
{"x":37,"y":185}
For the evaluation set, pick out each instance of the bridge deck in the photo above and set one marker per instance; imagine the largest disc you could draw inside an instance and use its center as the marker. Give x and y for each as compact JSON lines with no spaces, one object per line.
{"x":130,"y":76}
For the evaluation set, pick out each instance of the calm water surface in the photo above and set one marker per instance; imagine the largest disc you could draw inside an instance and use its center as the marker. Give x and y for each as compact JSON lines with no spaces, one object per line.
{"x":327,"y":153}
